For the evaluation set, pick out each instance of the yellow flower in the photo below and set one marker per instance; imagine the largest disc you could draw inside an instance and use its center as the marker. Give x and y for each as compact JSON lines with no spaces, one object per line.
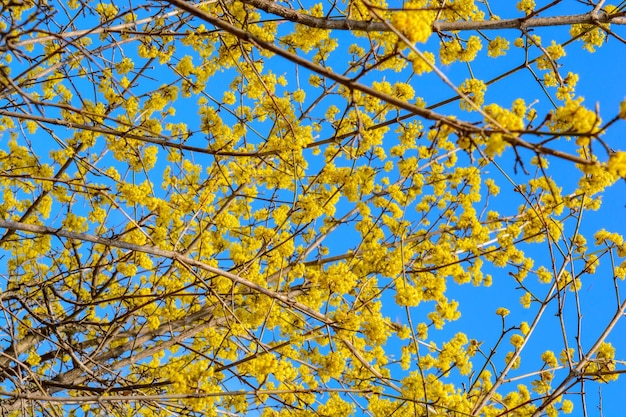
{"x":502,"y":312}
{"x":452,"y":51}
{"x":549,"y":358}
{"x":567,"y":407}
{"x":185,"y":66}
{"x":526,"y":6}
{"x":622,"y":110}
{"x":591,"y":35}
{"x":544,"y":275}
{"x":517,"y":340}
{"x":415,"y":25}
{"x":497,"y":47}
{"x":298,"y":96}
{"x":617,"y":164}
{"x":524,"y":328}
{"x":420,"y":65}
{"x":229,"y":97}
{"x":475,"y":90}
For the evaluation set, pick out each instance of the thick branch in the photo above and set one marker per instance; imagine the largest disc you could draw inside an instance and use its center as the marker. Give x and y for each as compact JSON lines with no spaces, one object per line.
{"x":439,"y":26}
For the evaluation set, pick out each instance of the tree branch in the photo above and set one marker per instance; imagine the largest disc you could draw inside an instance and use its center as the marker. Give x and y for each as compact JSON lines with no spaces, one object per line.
{"x":439,"y":26}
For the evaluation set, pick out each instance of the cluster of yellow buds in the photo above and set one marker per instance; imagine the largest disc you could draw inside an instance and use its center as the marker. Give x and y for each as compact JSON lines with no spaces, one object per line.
{"x":416,"y":25}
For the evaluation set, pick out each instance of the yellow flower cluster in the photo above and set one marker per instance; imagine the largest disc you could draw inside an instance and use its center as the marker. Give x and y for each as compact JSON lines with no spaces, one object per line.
{"x":573,"y":117}
{"x":567,"y":406}
{"x":497,"y":47}
{"x":416,"y":25}
{"x":520,"y":401}
{"x":503,"y":312}
{"x":407,"y":295}
{"x":591,"y":35}
{"x":617,"y":164}
{"x":513,"y":119}
{"x":605,"y":237}
{"x":622,"y":110}
{"x":455,"y":352}
{"x":566,"y":91}
{"x":461,"y":10}
{"x":604,"y":363}
{"x":526,"y":6}
{"x":74,"y":223}
{"x":454,"y":50}
{"x":475,"y":90}
{"x":550,"y":359}
{"x":107,"y":11}
{"x":554,"y":52}
{"x":307,"y":38}
{"x":420,"y":65}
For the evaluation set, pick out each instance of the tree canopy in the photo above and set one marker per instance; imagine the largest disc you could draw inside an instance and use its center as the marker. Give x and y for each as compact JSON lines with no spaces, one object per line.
{"x":283,"y":208}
